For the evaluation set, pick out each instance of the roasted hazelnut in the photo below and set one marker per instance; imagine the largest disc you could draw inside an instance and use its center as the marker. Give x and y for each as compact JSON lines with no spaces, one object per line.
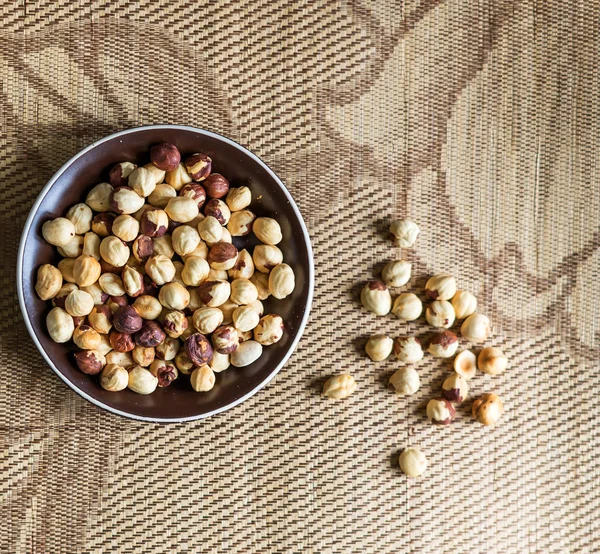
{"x":440,"y":313}
{"x":219,"y":362}
{"x":240,"y":223}
{"x":379,"y":347}
{"x":216,"y":185}
{"x":375,"y":297}
{"x":266,"y":257}
{"x":407,"y":307}
{"x":49,"y":282}
{"x":243,"y":267}
{"x":160,"y":269}
{"x":165,"y":156}
{"x":206,"y":319}
{"x":267,"y":230}
{"x":114,"y":251}
{"x":196,"y":192}
{"x":245,"y":319}
{"x":79,"y":303}
{"x":61,"y":296}
{"x":114,"y":378}
{"x":119,"y":174}
{"x":183,"y":363}
{"x":195,"y":271}
{"x":476,"y":328}
{"x":154,"y":223}
{"x":167,"y":349}
{"x":492,"y":361}
{"x":190,"y":329}
{"x":102,"y":224}
{"x":443,"y":344}
{"x":440,"y":411}
{"x":441,"y":287}
{"x":339,"y":386}
{"x":114,"y":302}
{"x":412,"y":462}
{"x":396,"y":274}
{"x":185,"y":239}
{"x":99,"y":198}
{"x":261,"y":282}
{"x":174,"y":296}
{"x":66,"y":266}
{"x":142,"y":248}
{"x":210,"y":230}
{"x":465,"y":364}
{"x":269,"y":329}
{"x":124,"y":200}
{"x":488,"y":409}
{"x":174,"y":323}
{"x":405,"y":232}
{"x":464,"y":304}
{"x":86,"y":338}
{"x":161,"y":195}
{"x":101,"y":318}
{"x":455,"y":389}
{"x":91,"y":245}
{"x":282,"y":281}
{"x":163,"y":246}
{"x":405,"y":381}
{"x":243,"y":292}
{"x":73,"y":249}
{"x":218,"y":209}
{"x":148,"y":306}
{"x":60,"y":325}
{"x":105,"y":347}
{"x":111,"y":284}
{"x":178,"y":177}
{"x":58,"y":232}
{"x":140,"y":380}
{"x":247,"y":352}
{"x":157,"y":174}
{"x":198,"y":166}
{"x":165,"y":372}
{"x":408,"y":349}
{"x":238,"y":198}
{"x":225,"y":339}
{"x":90,"y":362}
{"x":182,"y":209}
{"x":141,"y":181}
{"x":202,"y":379}
{"x":86,"y":270}
{"x":127,"y":320}
{"x":121,"y":342}
{"x":126,"y":228}
{"x":123,"y":359}
{"x":199,"y":349}
{"x":80,"y":215}
{"x":214,"y":293}
{"x":150,"y":335}
{"x":133,"y":281}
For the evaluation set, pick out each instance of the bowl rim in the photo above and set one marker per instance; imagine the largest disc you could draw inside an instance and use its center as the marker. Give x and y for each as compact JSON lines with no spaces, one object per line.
{"x":29,"y":222}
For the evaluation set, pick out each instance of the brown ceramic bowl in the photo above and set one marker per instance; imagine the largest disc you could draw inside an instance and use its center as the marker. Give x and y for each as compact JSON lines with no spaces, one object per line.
{"x":270,"y":197}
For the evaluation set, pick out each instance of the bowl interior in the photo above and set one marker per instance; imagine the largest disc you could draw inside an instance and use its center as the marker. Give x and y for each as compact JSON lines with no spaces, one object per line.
{"x":177,"y":401}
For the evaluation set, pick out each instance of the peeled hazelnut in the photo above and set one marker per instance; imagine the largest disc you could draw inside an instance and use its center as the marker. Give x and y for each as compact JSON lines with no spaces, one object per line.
{"x":379,"y":347}
{"x":61,"y":296}
{"x":339,"y":386}
{"x":492,"y":361}
{"x":160,"y":269}
{"x":238,"y":198}
{"x":154,"y":223}
{"x":488,"y":409}
{"x":183,"y":363}
{"x":405,"y":381}
{"x":375,"y":297}
{"x":240,"y":223}
{"x":121,"y":342}
{"x":73,"y":249}
{"x":245,"y":319}
{"x":49,"y":282}
{"x":407,"y":307}
{"x":267,"y":230}
{"x":465,"y":364}
{"x":58,"y":232}
{"x":140,"y":380}
{"x":440,"y":313}
{"x":217,"y":275}
{"x":266,"y":257}
{"x":464,"y":304}
{"x":185,"y":239}
{"x":124,"y":200}
{"x":165,"y":156}
{"x":182,"y":209}
{"x":396,"y":274}
{"x":261,"y":282}
{"x":178,"y":177}
{"x":412,"y":462}
{"x":126,"y":228}
{"x":443,"y":344}
{"x":476,"y":328}
{"x":269,"y":329}
{"x":86,"y":338}
{"x":150,"y":335}
{"x":219,"y":362}
{"x":111,"y":284}
{"x":133,"y":281}
{"x":214,"y":293}
{"x":123,"y":359}
{"x":441,"y":287}
{"x":174,"y":296}
{"x":405,"y":232}
{"x":60,"y":325}
{"x":86,"y":270}
{"x":210,"y":230}
{"x":225,"y":339}
{"x":99,"y":198}
{"x":174,"y":323}
{"x":80,"y":215}
{"x":157,"y":174}
{"x":120,"y":173}
{"x":163,"y":246}
{"x":161,"y":195}
{"x":127,"y":320}
{"x":148,"y":306}
{"x":243,"y":292}
{"x":79,"y":303}
{"x":408,"y":349}
{"x":141,"y":181}
{"x":90,"y":362}
{"x":114,"y":251}
{"x":102,"y":224}
{"x":282,"y":281}
{"x":195,"y":271}
{"x":218,"y":209}
{"x":202,"y":379}
{"x":440,"y":411}
{"x":114,"y":378}
{"x":101,"y":318}
{"x":247,"y":352}
{"x":198,"y":166}
{"x":206,"y":320}
{"x":66,"y":266}
{"x":455,"y":389}
{"x":91,"y":245}
{"x":243,"y":267}
{"x":199,"y":349}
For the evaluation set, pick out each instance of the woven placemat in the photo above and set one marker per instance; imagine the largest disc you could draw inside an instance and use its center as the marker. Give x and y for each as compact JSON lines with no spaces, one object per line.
{"x":479,"y":120}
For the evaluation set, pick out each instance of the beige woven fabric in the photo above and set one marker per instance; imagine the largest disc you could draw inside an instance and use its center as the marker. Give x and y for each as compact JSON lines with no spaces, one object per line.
{"x":478,"y":119}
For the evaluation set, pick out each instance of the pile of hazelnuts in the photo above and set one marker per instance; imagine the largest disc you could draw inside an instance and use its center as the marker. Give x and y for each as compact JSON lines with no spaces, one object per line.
{"x":150,"y":284}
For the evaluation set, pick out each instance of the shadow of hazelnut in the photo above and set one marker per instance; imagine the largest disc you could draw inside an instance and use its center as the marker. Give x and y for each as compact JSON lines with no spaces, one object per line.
{"x":358,"y":343}
{"x":394,"y":460}
{"x":382,"y":229}
{"x":315,"y":384}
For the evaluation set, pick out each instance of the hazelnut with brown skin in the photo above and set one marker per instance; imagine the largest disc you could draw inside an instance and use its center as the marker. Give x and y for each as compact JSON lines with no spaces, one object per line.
{"x":127,"y":320}
{"x":101,"y":318}
{"x":115,"y":301}
{"x":198,"y":349}
{"x":455,"y":389}
{"x":440,"y":313}
{"x":219,"y":210}
{"x":194,"y":191}
{"x":165,"y":372}
{"x":167,"y":349}
{"x":150,"y":335}
{"x":142,"y":249}
{"x":90,"y":362}
{"x":154,"y":223}
{"x":120,"y":173}
{"x":440,"y":411}
{"x":165,"y":156}
{"x":441,"y":287}
{"x":375,"y":297}
{"x":488,"y":409}
{"x":174,"y":323}
{"x":408,"y":349}
{"x":214,"y":293}
{"x":269,"y":330}
{"x":121,"y":342}
{"x":61,"y":296}
{"x":216,"y":185}
{"x":243,"y":267}
{"x":102,"y":224}
{"x":198,"y":166}
{"x":443,"y":345}
{"x":225,"y":339}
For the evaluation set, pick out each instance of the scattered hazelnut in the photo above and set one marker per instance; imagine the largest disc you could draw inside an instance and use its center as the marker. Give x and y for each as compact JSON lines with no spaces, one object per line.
{"x":240,"y":223}
{"x":443,"y":344}
{"x":58,"y":232}
{"x":405,"y":381}
{"x":455,"y":389}
{"x":196,"y":192}
{"x":90,"y":362}
{"x":247,"y":352}
{"x":217,"y":275}
{"x":140,"y":380}
{"x":119,"y":174}
{"x":412,"y":462}
{"x":243,"y":267}
{"x":464,"y":304}
{"x":126,"y":228}
{"x":269,"y":329}
{"x":185,"y":239}
{"x":141,"y":181}
{"x":198,"y":166}
{"x":123,"y":359}
{"x":86,"y":270}
{"x":245,"y":319}
{"x":225,"y":339}
{"x":407,"y":307}
{"x":219,"y":210}
{"x":102,"y":224}
{"x":124,"y":200}
{"x":86,"y":338}
{"x":178,"y":177}
{"x":182,"y":209}
{"x":165,"y":373}
{"x":408,"y":349}
{"x":238,"y":198}
{"x":243,"y":292}
{"x":99,"y":198}
{"x":91,"y":245}
{"x":161,"y":195}
{"x":127,"y":320}
{"x":165,"y":156}
{"x":199,"y":349}
{"x":60,"y":325}
{"x":266,"y":257}
{"x":148,"y":306}
{"x":114,"y":378}
{"x":379,"y":347}
{"x":133,"y":281}
{"x":375,"y":297}
{"x":476,"y":328}
{"x":174,"y":323}
{"x":214,"y":293}
{"x":73,"y":249}
{"x":282,"y":281}
{"x":219,"y":362}
{"x":206,"y":320}
{"x":150,"y":335}
{"x":202,"y":379}
{"x":440,"y":313}
{"x":405,"y":232}
{"x":65,"y":266}
{"x":465,"y":364}
{"x":222,"y":255}
{"x":440,"y":411}
{"x":488,"y":409}
{"x":396,"y":274}
{"x":79,"y":303}
{"x":160,"y":269}
{"x":121,"y":342}
{"x":49,"y":282}
{"x":158,"y":174}
{"x":216,"y":185}
{"x":80,"y":215}
{"x":210,"y":230}
{"x":163,"y":246}
{"x":183,"y":363}
{"x":114,"y":251}
{"x":339,"y":386}
{"x":261,"y":282}
{"x":441,"y":287}
{"x":154,"y":223}
{"x":111,"y":284}
{"x":101,"y":318}
{"x":174,"y":296}
{"x":492,"y":361}
{"x":267,"y":230}
{"x":195,"y":271}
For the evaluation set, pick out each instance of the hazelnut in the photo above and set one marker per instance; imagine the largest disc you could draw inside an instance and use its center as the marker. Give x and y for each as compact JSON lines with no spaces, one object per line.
{"x":244,"y":336}
{"x":282,"y":282}
{"x":247,"y":352}
{"x":492,"y":361}
{"x":49,"y":282}
{"x":217,"y":275}
{"x":90,"y":362}
{"x":238,"y":198}
{"x":243,"y":292}
{"x":163,"y":246}
{"x":124,"y":200}
{"x":120,"y":173}
{"x":141,"y":181}
{"x":455,"y":389}
{"x":157,"y":174}
{"x":488,"y":409}
{"x":266,"y":257}
{"x":198,"y":166}
{"x":73,"y":249}
{"x":405,"y":381}
{"x":150,"y":287}
{"x":114,"y":251}
{"x":140,"y":380}
{"x":464,"y":304}
{"x":396,"y":274}
{"x":174,"y":296}
{"x":465,"y":364}
{"x":218,"y":209}
{"x":244,"y":318}
{"x":99,"y":296}
{"x":182,"y":209}
{"x":199,"y":349}
{"x":127,"y":320}
{"x":195,"y":271}
{"x":267,"y":230}
{"x":339,"y":386}
{"x":405,"y":232}
{"x":183,"y":363}
{"x":60,"y":325}
{"x":126,"y":228}
{"x":206,"y":320}
{"x":440,"y":411}
{"x":216,"y":185}
{"x":91,"y":245}
{"x":161,"y":195}
{"x":407,"y":307}
{"x":225,"y":339}
{"x":269,"y":329}
{"x":219,"y":362}
{"x":379,"y":347}
{"x":58,"y":232}
{"x":114,"y":302}
{"x":196,"y":192}
{"x":86,"y":270}
{"x":101,"y":318}
{"x":105,"y":348}
{"x":440,"y":313}
{"x":443,"y":344}
{"x":240,"y":223}
{"x":165,"y":156}
{"x":160,"y":269}
{"x":148,"y":306}
{"x":114,"y":378}
{"x":86,"y":338}
{"x":133,"y":281}
{"x":412,"y":462}
{"x":121,"y":342}
{"x":476,"y":328}
{"x":408,"y":349}
{"x":174,"y":323}
{"x":120,"y":358}
{"x":61,"y":295}
{"x":99,"y":198}
{"x":201,"y":251}
{"x":80,"y":215}
{"x":111,"y":284}
{"x":102,"y":224}
{"x":375,"y":297}
{"x":202,"y":379}
{"x":79,"y":303}
{"x":178,"y":177}
{"x":150,"y":335}
{"x":165,"y":372}
{"x":140,"y":213}
{"x":261,"y":282}
{"x":214,"y":293}
{"x":154,"y":223}
{"x":243,"y":267}
{"x":210,"y":230}
{"x":66,"y":266}
{"x":185,"y":239}
{"x":441,"y":287}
